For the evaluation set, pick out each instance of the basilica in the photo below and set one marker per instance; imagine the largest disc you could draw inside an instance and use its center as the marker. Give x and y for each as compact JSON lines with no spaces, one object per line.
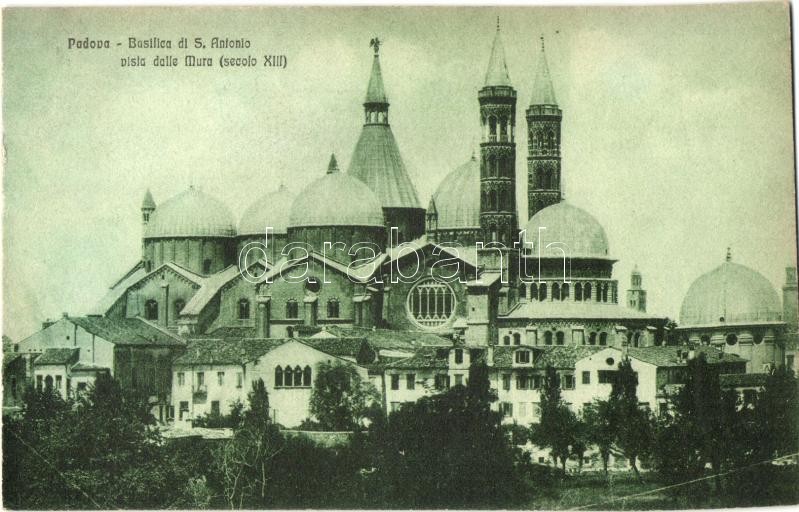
{"x":210,"y":306}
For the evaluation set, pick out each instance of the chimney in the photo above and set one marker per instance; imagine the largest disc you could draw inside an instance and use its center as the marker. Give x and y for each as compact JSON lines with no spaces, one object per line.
{"x":163,"y":308}
{"x":490,"y":356}
{"x":262,"y":316}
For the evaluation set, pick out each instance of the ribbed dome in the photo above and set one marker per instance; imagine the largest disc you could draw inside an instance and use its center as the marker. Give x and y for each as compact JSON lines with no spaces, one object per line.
{"x":581,"y":235}
{"x":457,"y":199}
{"x":271,"y":210}
{"x":336,"y":199}
{"x":191,"y":213}
{"x":733,"y":292}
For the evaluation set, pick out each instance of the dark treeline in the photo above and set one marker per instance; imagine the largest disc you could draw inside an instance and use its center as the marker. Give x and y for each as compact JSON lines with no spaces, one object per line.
{"x":444,"y":451}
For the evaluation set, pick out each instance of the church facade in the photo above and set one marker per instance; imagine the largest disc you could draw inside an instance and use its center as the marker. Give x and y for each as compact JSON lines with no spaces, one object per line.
{"x":355,"y":252}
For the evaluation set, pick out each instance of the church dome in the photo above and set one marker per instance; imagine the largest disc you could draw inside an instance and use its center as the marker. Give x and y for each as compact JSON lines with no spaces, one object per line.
{"x":733,"y":292}
{"x":271,"y":210}
{"x":191,"y":213}
{"x":457,"y":198}
{"x":336,"y":199}
{"x":578,"y":232}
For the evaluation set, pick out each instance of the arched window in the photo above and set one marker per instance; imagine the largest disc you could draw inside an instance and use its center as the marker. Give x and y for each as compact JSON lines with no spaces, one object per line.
{"x":292,"y":309}
{"x":548,"y":337}
{"x":332,"y":308}
{"x":517,"y":338}
{"x":592,"y":338}
{"x":48,"y":383}
{"x":506,"y":340}
{"x":278,"y":376}
{"x":297,"y":376}
{"x":636,"y":339}
{"x":705,"y":339}
{"x":523,"y":291}
{"x":179,"y":305}
{"x":578,"y":292}
{"x":555,"y":291}
{"x":587,"y":291}
{"x":560,"y":338}
{"x":540,"y":138}
{"x":430,"y":303}
{"x":306,"y":377}
{"x":564,"y":291}
{"x":151,"y":310}
{"x":605,"y":293}
{"x":288,"y":377}
{"x":533,"y":291}
{"x":244,"y":309}
{"x":542,"y":292}
{"x":603,"y":338}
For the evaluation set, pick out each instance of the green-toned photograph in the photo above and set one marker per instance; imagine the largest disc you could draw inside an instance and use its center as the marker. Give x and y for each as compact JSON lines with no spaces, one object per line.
{"x":420,"y":257}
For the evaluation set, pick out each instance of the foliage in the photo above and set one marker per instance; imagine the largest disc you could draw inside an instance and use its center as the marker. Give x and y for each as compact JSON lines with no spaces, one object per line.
{"x":634,"y":426}
{"x":600,"y":428}
{"x":100,"y":451}
{"x":340,"y":399}
{"x":556,"y":428}
{"x":446,"y":450}
{"x":217,"y":420}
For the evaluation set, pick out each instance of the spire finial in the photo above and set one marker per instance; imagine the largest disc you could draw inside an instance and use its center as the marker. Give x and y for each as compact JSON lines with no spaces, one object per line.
{"x":375,"y":43}
{"x":332,"y":167}
{"x":729,"y":254}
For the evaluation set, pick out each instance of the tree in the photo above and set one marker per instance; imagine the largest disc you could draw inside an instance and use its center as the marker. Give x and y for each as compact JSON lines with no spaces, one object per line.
{"x":244,"y":463}
{"x":445,"y":450}
{"x":600,"y":428}
{"x":340,"y":399}
{"x":634,"y":425}
{"x":556,"y":428}
{"x":777,"y":412}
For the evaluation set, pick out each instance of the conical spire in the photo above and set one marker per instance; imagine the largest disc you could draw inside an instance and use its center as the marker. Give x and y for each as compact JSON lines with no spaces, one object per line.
{"x":497,"y":73}
{"x":332,"y":167}
{"x":376,"y":93}
{"x":543,"y":92}
{"x":148,"y":203}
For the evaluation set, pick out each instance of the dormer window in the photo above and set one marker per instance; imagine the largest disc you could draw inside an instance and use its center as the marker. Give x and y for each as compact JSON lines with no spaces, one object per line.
{"x":523,"y":357}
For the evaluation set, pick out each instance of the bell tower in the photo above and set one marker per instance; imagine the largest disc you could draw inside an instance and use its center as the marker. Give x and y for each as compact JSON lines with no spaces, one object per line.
{"x":497,"y":98}
{"x":543,"y":141}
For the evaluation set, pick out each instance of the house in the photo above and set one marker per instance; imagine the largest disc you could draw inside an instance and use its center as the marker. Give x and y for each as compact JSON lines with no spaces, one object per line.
{"x":214,"y":373}
{"x":68,"y":354}
{"x":661,"y":370}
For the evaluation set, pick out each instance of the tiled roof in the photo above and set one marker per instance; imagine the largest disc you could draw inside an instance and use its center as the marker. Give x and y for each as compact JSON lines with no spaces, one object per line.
{"x":119,"y":289}
{"x":578,"y":311}
{"x":226,"y":332}
{"x":386,"y":339}
{"x":57,"y":356}
{"x":228,"y":351}
{"x":89,"y":367}
{"x":209,"y":288}
{"x":668,"y":355}
{"x":340,"y":347}
{"x":556,"y":356}
{"x":743,"y":380}
{"x":127,"y":331}
{"x":423,"y":358}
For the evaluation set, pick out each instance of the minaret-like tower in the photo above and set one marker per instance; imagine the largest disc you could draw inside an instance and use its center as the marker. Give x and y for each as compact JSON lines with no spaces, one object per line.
{"x":790,"y":296}
{"x":636,"y":295}
{"x":498,"y":219}
{"x":543,"y":141}
{"x":147,"y":209}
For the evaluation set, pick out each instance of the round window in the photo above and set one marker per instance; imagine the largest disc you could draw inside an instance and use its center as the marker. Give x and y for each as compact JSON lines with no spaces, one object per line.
{"x":313,"y":285}
{"x":430,"y":304}
{"x":758,"y":338}
{"x":732,"y":339}
{"x":610,"y":361}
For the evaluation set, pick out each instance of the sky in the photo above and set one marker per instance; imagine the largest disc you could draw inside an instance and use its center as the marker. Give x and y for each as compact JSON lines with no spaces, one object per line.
{"x":677,"y":128}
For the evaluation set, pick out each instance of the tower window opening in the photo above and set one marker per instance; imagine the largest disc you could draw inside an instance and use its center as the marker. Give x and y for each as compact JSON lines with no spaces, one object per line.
{"x":555,"y":291}
{"x":151,"y":310}
{"x":564,"y":291}
{"x":587,"y":291}
{"x":244,"y":309}
{"x":523,"y":291}
{"x":292,"y":309}
{"x":542,"y":292}
{"x":533,"y":291}
{"x":578,"y":292}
